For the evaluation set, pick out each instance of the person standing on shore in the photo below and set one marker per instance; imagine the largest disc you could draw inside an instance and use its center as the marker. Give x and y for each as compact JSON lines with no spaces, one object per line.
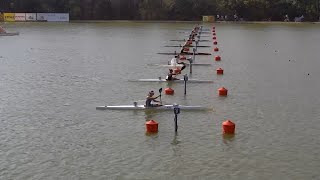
{"x":235,"y":17}
{"x":286,"y":18}
{"x":2,"y":30}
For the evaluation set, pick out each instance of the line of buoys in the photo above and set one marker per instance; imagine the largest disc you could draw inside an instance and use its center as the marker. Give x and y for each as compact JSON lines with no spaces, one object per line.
{"x":227,"y":126}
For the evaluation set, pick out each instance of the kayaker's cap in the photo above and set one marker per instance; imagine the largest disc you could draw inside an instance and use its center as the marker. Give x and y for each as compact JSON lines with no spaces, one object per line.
{"x":151,"y":92}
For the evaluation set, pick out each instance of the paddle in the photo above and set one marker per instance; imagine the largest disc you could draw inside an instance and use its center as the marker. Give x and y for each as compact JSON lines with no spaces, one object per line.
{"x":160,"y":90}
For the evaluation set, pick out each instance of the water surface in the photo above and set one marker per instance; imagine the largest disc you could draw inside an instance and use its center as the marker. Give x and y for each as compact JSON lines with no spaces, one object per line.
{"x":52,"y":76}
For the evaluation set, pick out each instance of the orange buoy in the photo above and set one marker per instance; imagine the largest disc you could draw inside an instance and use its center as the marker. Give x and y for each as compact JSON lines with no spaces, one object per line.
{"x":214,"y":37}
{"x":228,"y":127}
{"x":214,"y":34}
{"x":223,"y":91}
{"x":217,"y":58}
{"x":152,"y":126}
{"x":169,"y":91}
{"x":177,"y":71}
{"x":219,"y":71}
{"x":183,"y":58}
{"x":215,"y":42}
{"x":216,"y":49}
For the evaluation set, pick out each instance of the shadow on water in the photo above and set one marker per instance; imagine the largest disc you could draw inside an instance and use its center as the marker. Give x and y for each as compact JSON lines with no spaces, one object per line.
{"x":228,"y":138}
{"x":153,"y":135}
{"x":175,"y":140}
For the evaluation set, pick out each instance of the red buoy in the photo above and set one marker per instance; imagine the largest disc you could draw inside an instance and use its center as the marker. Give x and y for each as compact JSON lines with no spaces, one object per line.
{"x":223,"y":91}
{"x":228,"y":127}
{"x":214,"y":37}
{"x":215,"y":42}
{"x":216,"y":49}
{"x":169,"y":91}
{"x":152,"y":126}
{"x":177,"y":71}
{"x":217,"y":58}
{"x":186,"y":49}
{"x":214,"y":34}
{"x":213,"y":27}
{"x":213,"y":30}
{"x":219,"y":71}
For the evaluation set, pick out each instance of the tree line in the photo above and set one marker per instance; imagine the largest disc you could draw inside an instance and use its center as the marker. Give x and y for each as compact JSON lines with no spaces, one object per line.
{"x":251,"y":10}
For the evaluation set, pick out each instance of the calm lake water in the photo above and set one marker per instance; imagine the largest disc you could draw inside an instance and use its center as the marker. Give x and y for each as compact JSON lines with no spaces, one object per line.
{"x":52,"y":76}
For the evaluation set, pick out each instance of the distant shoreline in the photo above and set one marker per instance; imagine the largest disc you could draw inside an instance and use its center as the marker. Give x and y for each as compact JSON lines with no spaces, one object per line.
{"x":172,"y":21}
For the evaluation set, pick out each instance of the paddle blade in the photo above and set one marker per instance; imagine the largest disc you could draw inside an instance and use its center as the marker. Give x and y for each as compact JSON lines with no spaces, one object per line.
{"x":160,"y":90}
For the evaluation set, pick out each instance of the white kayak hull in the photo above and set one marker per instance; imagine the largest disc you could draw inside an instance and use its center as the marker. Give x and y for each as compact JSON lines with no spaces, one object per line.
{"x":175,"y":81}
{"x":9,"y":34}
{"x":179,"y":65}
{"x":142,"y":107}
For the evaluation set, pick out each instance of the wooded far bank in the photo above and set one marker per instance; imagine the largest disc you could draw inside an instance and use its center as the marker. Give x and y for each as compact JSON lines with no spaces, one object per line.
{"x":251,"y":10}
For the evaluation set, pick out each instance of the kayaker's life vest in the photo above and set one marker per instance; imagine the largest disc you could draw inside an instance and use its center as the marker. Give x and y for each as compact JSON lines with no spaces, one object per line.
{"x":169,"y":77}
{"x":148,"y":103}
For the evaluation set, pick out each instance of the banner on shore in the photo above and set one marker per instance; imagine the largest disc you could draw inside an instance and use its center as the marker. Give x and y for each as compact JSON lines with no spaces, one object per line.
{"x":208,"y":18}
{"x":58,"y":17}
{"x":9,"y":17}
{"x":41,"y":16}
{"x":31,"y":16}
{"x":53,"y":17}
{"x":20,"y":17}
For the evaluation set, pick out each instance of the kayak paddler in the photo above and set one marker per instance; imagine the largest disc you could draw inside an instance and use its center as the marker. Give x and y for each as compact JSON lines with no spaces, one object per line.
{"x":170,"y":76}
{"x":175,"y":61}
{"x":151,"y":99}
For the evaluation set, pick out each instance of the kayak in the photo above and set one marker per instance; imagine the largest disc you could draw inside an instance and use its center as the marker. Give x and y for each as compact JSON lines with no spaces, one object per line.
{"x":173,"y":81}
{"x":185,"y":53}
{"x":9,"y":34}
{"x":143,"y":107}
{"x":186,"y":46}
{"x":180,"y":65}
{"x":192,"y":40}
